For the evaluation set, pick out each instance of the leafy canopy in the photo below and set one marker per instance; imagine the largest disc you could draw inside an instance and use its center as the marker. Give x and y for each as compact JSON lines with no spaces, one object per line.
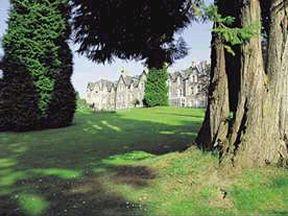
{"x":129,"y":29}
{"x":224,"y":26}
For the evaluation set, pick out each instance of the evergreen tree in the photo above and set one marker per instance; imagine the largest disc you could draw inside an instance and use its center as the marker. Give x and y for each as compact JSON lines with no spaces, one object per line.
{"x":156,"y":88}
{"x":129,"y":29}
{"x":37,"y":66}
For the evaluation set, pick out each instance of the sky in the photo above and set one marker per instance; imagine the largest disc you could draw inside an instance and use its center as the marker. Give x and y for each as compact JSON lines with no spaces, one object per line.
{"x":197,"y":37}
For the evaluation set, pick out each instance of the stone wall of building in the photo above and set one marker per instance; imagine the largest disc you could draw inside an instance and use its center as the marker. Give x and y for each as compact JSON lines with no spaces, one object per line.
{"x":185,"y":90}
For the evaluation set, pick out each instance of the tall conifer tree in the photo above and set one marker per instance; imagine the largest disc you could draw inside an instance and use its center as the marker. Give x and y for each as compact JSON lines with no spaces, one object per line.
{"x":130,"y":29}
{"x":156,"y":88}
{"x":37,"y":67}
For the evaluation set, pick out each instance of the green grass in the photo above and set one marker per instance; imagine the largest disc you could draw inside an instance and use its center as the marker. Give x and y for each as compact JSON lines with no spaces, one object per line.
{"x":129,"y":163}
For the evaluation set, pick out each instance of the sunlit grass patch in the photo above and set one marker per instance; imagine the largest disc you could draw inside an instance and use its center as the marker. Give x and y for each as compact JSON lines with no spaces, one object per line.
{"x":167,"y":132}
{"x":262,"y":190}
{"x":60,"y":173}
{"x":11,"y":177}
{"x":32,"y":204}
{"x":127,"y":158}
{"x":7,"y":162}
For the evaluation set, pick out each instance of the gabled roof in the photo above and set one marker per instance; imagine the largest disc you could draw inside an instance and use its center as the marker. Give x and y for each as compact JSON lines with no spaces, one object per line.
{"x":91,"y":86}
{"x":191,"y":70}
{"x":102,"y":84}
{"x":175,"y":75}
{"x":130,"y":81}
{"x":106,"y":83}
{"x":184,"y":74}
{"x":138,"y":78}
{"x":127,"y":80}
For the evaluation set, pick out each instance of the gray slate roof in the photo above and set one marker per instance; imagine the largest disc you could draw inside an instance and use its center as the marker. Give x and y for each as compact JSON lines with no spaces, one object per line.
{"x":184,"y":74}
{"x":91,"y":86}
{"x":128,"y":81}
{"x":101,"y":83}
{"x":106,"y":83}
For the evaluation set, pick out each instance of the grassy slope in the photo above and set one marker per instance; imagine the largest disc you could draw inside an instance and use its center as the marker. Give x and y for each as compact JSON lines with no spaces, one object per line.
{"x":125,"y":164}
{"x":191,"y":183}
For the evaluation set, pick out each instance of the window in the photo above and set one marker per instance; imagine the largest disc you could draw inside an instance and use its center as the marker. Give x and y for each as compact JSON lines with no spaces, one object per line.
{"x":192,"y":90}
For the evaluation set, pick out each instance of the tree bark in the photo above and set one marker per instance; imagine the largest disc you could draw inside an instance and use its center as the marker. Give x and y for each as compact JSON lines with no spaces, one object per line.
{"x":215,"y":127}
{"x":276,"y":104}
{"x":257,"y":130}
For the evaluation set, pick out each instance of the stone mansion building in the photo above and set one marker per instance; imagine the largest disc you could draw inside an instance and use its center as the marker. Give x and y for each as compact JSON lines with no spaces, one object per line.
{"x":186,"y":89}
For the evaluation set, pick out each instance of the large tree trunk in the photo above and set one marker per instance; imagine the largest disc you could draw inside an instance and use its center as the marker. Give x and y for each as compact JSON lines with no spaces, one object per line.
{"x":276,"y":104}
{"x":257,"y":132}
{"x":215,"y":127}
{"x":245,"y":138}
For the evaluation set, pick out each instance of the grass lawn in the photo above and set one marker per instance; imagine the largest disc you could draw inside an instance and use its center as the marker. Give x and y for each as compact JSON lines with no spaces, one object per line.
{"x":129,"y":163}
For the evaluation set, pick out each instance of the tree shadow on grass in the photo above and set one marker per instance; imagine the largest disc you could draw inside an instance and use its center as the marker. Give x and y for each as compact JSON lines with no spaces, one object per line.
{"x":54,"y":196}
{"x":53,"y":172}
{"x":137,"y":176}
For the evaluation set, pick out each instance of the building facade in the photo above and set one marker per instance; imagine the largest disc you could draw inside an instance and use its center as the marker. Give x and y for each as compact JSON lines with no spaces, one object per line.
{"x":186,"y":89}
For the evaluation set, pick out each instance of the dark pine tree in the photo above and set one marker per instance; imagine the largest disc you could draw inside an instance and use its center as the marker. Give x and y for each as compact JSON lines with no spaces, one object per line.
{"x":129,"y":29}
{"x":37,"y":92}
